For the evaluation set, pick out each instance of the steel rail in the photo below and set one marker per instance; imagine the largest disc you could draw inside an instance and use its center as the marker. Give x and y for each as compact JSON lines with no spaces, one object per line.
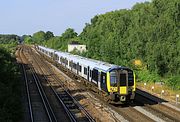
{"x":88,"y":116}
{"x":70,"y":114}
{"x":27,"y":89}
{"x":46,"y":103}
{"x":157,"y":101}
{"x":41,"y":92}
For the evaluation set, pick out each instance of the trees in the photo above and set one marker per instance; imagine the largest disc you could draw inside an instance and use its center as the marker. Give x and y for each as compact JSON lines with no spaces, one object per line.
{"x":10,"y":87}
{"x":69,"y":33}
{"x":149,"y":32}
{"x":39,"y":37}
{"x":27,"y":39}
{"x":49,"y":35}
{"x":6,"y":39}
{"x":61,"y":42}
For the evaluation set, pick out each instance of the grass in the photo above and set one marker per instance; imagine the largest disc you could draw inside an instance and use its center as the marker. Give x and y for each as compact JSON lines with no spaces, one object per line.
{"x":168,"y":94}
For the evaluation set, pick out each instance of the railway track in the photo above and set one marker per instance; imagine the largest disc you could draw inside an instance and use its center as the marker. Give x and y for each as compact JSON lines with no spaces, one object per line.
{"x":38,"y":104}
{"x":73,"y":109}
{"x":56,"y":109}
{"x":130,"y":113}
{"x":155,"y":106}
{"x":28,"y":93}
{"x":126,"y":110}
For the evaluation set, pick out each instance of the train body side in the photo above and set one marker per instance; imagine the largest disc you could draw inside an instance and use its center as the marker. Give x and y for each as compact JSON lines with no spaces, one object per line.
{"x":118,"y":82}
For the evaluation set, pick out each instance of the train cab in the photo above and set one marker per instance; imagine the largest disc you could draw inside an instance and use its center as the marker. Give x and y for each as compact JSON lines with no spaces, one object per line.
{"x":121,"y":84}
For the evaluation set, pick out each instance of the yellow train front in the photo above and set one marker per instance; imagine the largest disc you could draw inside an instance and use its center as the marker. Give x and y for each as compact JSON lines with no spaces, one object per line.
{"x":121,"y":84}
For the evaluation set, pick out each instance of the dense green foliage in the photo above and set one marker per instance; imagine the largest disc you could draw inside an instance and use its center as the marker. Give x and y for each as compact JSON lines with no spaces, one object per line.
{"x":149,"y":32}
{"x":10,"y":104}
{"x":38,"y":37}
{"x":10,"y":90}
{"x":61,"y":42}
{"x":7,"y":39}
{"x":48,"y":39}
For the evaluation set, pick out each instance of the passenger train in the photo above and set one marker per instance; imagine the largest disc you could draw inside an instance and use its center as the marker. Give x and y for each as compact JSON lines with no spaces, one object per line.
{"x":117,"y":81}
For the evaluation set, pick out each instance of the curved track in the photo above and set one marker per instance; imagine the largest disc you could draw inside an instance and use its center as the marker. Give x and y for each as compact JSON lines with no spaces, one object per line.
{"x":56,"y":92}
{"x":38,"y":104}
{"x":73,"y":109}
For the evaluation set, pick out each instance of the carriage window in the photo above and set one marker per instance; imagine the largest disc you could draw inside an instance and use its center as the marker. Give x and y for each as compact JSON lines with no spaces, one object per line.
{"x":95,"y":75}
{"x":80,"y":68}
{"x":90,"y":73}
{"x":130,"y":79}
{"x":104,"y":79}
{"x":74,"y":65}
{"x":85,"y":71}
{"x":65,"y":61}
{"x":70,"y":64}
{"x":113,"y":81}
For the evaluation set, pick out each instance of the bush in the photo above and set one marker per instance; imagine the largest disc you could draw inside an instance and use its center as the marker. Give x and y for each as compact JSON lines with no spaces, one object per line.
{"x":10,"y":88}
{"x":146,"y":76}
{"x":174,"y":82}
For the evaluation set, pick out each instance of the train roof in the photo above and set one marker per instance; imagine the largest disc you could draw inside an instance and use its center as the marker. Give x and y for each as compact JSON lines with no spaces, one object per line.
{"x":99,"y":65}
{"x":82,"y":60}
{"x":47,"y":49}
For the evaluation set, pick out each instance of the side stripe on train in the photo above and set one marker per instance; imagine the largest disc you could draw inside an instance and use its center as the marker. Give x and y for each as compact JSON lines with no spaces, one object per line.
{"x":134,"y":86}
{"x":108,"y":82}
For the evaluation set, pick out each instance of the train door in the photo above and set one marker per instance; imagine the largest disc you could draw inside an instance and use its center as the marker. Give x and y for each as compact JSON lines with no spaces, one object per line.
{"x":99,"y":80}
{"x":65,"y":62}
{"x":77,"y":68}
{"x":103,"y":81}
{"x":88,"y":73}
{"x":71,"y":65}
{"x":122,"y":78}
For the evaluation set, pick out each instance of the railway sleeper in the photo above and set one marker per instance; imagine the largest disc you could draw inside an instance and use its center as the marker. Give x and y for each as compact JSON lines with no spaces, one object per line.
{"x":71,"y":106}
{"x":64,"y":96}
{"x":67,"y":99}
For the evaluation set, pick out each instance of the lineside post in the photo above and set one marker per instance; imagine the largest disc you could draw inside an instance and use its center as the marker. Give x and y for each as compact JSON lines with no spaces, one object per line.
{"x":162,"y":92}
{"x":177,"y":98}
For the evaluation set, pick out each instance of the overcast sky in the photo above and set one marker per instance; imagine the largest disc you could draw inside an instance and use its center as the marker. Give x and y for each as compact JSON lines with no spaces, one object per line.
{"x":29,"y":16}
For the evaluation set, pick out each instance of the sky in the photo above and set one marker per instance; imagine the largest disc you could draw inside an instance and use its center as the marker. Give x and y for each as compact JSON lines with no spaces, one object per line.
{"x":29,"y":16}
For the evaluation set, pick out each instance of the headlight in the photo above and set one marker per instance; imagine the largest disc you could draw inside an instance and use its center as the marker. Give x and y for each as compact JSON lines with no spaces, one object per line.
{"x":111,"y":89}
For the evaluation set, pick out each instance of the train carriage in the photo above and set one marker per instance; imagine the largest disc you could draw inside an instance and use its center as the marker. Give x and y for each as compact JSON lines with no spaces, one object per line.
{"x":117,"y":81}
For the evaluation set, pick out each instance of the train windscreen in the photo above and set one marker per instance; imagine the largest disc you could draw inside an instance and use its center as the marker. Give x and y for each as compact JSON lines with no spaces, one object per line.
{"x":123,"y":80}
{"x":130,"y":78}
{"x":113,"y":79}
